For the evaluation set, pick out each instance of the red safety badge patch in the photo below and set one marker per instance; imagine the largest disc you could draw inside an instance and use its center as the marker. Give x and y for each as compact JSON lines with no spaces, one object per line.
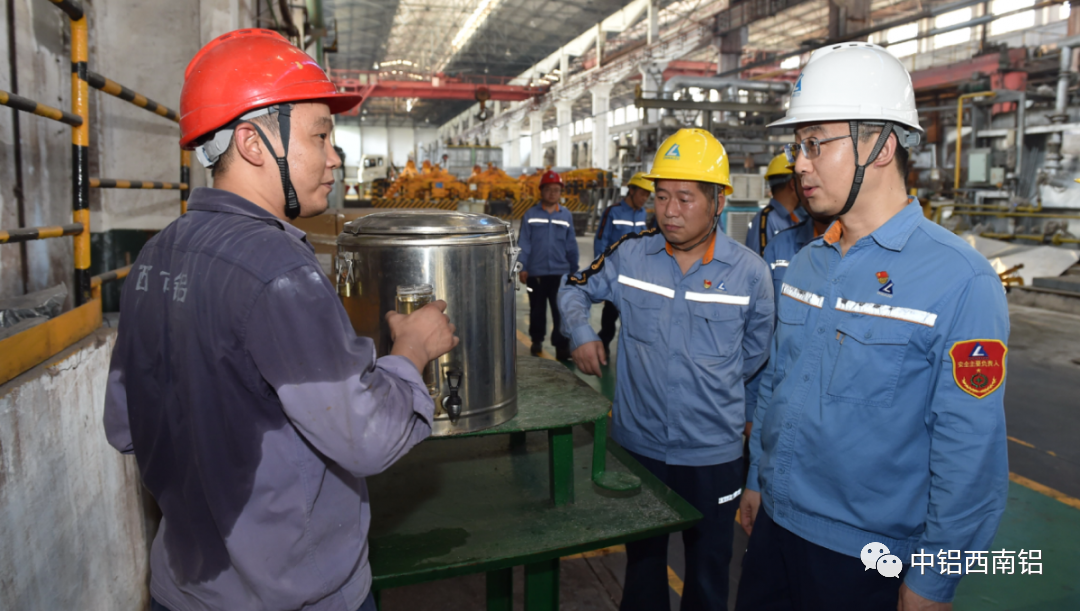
{"x":978,"y":366}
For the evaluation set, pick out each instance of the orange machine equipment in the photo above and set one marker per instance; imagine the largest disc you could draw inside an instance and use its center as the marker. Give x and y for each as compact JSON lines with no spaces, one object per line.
{"x":432,"y":182}
{"x":493,"y":183}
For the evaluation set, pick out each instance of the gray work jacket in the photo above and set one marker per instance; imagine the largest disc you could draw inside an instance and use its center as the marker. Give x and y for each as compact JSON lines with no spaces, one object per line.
{"x":255,"y":413}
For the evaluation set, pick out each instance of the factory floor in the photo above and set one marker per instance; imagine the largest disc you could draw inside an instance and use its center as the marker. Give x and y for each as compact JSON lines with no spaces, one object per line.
{"x":1043,"y":511}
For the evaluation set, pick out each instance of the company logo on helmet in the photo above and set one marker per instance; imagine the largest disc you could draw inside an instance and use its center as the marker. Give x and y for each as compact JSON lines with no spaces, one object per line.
{"x":798,"y":87}
{"x":673,"y":152}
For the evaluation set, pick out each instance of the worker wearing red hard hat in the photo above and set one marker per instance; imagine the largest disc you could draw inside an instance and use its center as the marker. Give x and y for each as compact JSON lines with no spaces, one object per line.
{"x":237,"y":380}
{"x":549,"y":251}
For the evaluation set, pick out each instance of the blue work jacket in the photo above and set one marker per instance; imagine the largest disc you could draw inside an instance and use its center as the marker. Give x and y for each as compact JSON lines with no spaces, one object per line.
{"x":778,"y":255}
{"x":687,"y":343}
{"x":617,"y":221}
{"x":777,"y":219}
{"x":869,"y":427}
{"x":548,"y":244}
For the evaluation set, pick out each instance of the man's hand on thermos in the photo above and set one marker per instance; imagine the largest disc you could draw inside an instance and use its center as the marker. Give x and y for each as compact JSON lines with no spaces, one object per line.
{"x":422,"y":336}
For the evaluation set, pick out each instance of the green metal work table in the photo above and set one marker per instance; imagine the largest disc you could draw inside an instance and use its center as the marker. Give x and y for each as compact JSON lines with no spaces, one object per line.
{"x":499,"y":498}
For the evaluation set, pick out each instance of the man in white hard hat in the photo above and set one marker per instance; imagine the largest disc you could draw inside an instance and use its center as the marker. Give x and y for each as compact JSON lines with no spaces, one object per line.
{"x":878,"y":447}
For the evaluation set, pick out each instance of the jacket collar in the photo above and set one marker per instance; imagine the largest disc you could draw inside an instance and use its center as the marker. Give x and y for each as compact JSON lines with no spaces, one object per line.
{"x":894,"y":234}
{"x":208,"y":199}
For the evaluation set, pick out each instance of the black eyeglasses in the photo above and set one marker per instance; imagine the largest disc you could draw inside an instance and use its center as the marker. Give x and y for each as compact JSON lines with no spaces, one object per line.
{"x":811,"y":148}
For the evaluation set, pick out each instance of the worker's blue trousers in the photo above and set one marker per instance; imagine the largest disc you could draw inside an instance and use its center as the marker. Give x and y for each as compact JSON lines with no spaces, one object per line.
{"x":707,"y":544}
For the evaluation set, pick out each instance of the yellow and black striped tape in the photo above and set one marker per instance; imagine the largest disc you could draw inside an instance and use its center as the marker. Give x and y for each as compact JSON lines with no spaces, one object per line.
{"x":116,"y":89}
{"x":116,"y":183}
{"x":28,"y":234}
{"x":27,"y":105}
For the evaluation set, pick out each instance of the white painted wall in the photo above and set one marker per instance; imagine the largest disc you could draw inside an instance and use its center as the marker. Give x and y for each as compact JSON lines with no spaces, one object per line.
{"x":401,"y":142}
{"x":71,"y":517}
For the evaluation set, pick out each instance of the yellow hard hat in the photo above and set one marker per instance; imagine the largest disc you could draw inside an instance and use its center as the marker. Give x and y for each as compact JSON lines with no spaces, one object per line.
{"x":779,"y":166}
{"x":692,"y":154}
{"x":1077,"y":179}
{"x":641,"y":182}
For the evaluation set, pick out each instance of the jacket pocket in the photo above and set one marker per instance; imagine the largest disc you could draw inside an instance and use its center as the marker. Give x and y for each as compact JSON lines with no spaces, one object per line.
{"x":641,"y":314}
{"x":869,"y":359}
{"x":717,"y":328}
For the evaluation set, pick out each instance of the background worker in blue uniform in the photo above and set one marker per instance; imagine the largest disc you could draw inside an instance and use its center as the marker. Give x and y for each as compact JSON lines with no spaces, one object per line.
{"x":881,"y":415}
{"x":778,"y":254}
{"x":783,"y":209}
{"x":549,"y":251}
{"x":697,"y":315}
{"x":627,"y":216}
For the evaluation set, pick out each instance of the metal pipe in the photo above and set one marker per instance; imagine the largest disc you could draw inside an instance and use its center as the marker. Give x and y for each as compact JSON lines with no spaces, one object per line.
{"x":711,"y":82}
{"x":1062,"y":97}
{"x":98,"y":280}
{"x":80,"y":158}
{"x":116,"y":183}
{"x":27,"y":105}
{"x":959,"y":126}
{"x":27,"y":234}
{"x":117,"y":90}
{"x":1021,"y":131}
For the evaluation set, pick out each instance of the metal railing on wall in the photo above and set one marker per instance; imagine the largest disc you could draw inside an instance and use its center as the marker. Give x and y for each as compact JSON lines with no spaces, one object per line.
{"x":31,"y":347}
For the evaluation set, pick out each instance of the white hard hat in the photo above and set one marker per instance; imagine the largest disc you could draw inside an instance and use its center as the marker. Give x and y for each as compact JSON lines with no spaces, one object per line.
{"x":853,"y":81}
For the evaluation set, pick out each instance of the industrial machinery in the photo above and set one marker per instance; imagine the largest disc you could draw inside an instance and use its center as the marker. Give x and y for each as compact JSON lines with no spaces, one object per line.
{"x":469,"y":259}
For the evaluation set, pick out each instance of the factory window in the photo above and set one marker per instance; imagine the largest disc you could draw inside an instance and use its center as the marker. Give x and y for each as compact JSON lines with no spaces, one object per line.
{"x":904,"y":32}
{"x":579,"y":127}
{"x":641,"y":114}
{"x":955,"y":37}
{"x":790,"y":63}
{"x":1011,"y":23}
{"x":587,"y":127}
{"x":620,"y":115}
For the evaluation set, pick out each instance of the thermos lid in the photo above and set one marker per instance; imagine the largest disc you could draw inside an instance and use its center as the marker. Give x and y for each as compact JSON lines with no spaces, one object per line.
{"x":425,"y":222}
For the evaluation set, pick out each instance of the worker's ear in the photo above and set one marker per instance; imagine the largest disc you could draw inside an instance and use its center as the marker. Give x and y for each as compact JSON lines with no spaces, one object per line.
{"x":887,"y":153}
{"x":249,"y":145}
{"x":721,"y":200}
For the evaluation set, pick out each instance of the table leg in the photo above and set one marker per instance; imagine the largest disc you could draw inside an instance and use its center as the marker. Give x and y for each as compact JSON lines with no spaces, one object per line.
{"x":500,"y":590}
{"x":517,"y":441}
{"x":542,"y":586}
{"x":608,"y":480}
{"x":561,"y":465}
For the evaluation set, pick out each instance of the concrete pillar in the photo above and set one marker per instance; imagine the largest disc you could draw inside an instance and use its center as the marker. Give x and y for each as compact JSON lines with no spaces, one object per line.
{"x":652,"y":79}
{"x":564,"y":66}
{"x":848,"y":16}
{"x":653,"y":30}
{"x":536,"y":125}
{"x":601,"y":105}
{"x":599,"y":45}
{"x":564,"y":118}
{"x":731,"y":48}
{"x":513,"y":141}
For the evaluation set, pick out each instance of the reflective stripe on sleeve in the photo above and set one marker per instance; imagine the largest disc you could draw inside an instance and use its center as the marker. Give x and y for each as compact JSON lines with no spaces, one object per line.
{"x":558,"y":222}
{"x":778,"y":263}
{"x":538,"y":220}
{"x":804,"y":296}
{"x":640,"y":224}
{"x":918,"y":317}
{"x":647,"y":286}
{"x":718,"y":298}
{"x":630,"y":223}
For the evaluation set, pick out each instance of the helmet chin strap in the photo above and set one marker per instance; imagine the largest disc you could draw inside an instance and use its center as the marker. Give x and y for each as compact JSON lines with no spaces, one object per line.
{"x":292,"y":204}
{"x":716,"y":221}
{"x":860,"y":170}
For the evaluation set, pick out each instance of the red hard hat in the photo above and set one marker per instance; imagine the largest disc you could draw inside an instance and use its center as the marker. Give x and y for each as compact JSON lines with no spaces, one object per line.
{"x":245,"y":70}
{"x":551,"y":177}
